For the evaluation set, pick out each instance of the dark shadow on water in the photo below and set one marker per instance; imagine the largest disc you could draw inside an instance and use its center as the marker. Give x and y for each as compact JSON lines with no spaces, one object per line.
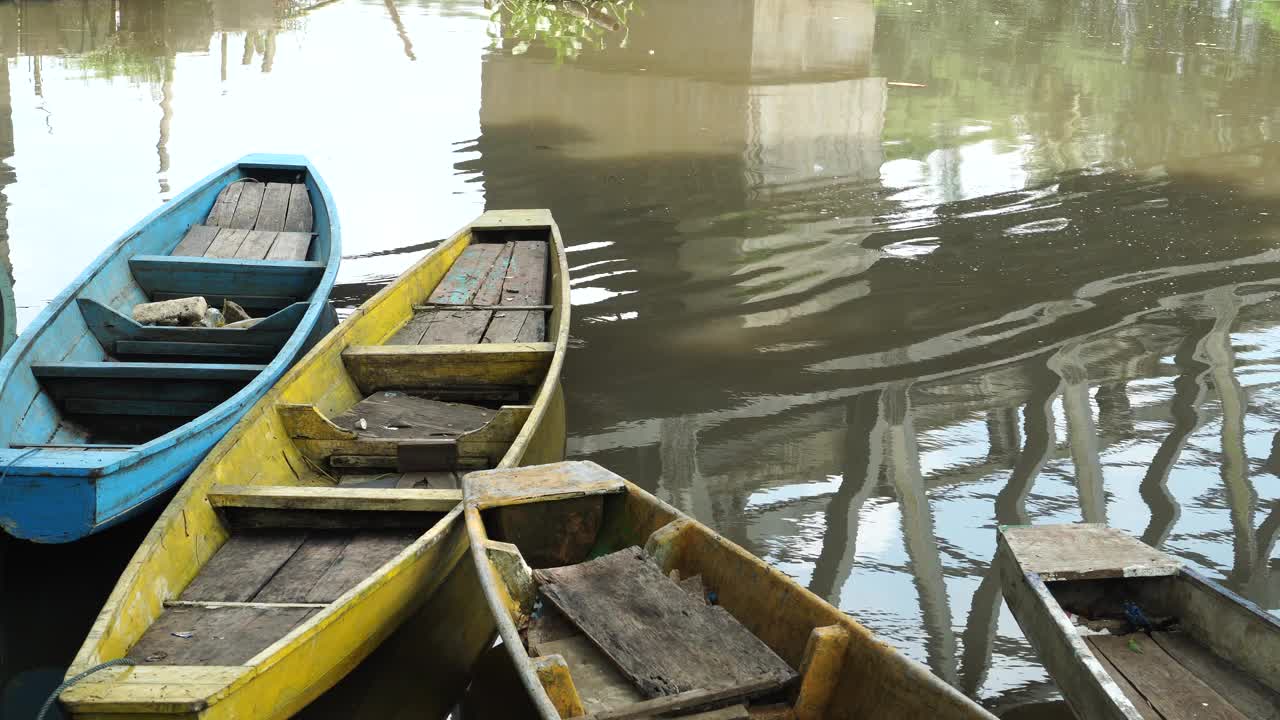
{"x":49,"y":598}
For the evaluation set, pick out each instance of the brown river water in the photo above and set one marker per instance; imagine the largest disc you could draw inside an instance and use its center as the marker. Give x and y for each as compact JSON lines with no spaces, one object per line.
{"x":854,"y":282}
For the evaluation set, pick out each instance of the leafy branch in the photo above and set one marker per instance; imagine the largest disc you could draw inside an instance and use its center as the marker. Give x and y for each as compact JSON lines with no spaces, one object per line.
{"x":567,"y":27}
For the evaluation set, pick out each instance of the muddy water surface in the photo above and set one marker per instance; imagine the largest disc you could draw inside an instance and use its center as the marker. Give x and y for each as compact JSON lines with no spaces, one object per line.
{"x":854,"y":282}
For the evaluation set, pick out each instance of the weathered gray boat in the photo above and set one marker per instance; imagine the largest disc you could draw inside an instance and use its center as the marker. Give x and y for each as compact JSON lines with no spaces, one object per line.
{"x":1130,"y":633}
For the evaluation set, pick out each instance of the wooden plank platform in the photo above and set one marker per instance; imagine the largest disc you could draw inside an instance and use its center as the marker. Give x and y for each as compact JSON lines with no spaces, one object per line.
{"x":300,"y":216}
{"x":599,"y":683}
{"x":465,"y":307}
{"x":192,"y":635}
{"x":290,"y":246}
{"x":225,"y":206}
{"x":275,"y":205}
{"x":513,"y":273}
{"x":392,"y":415}
{"x":443,"y":327}
{"x":227,"y":243}
{"x":1248,"y":695}
{"x":1084,"y":552}
{"x":271,"y":221}
{"x":1169,"y":688}
{"x":197,"y":240}
{"x":258,"y":587}
{"x":246,"y":215}
{"x":508,"y":326}
{"x":439,"y":326}
{"x":365,"y":552}
{"x":214,"y":242}
{"x":490,"y":291}
{"x":256,"y":244}
{"x":243,"y":565}
{"x":662,"y":639}
{"x":526,"y":278}
{"x":460,"y":285}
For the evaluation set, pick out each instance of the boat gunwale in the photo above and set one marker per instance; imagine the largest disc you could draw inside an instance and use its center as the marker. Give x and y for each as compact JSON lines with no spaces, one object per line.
{"x":911,"y":670}
{"x":91,"y":468}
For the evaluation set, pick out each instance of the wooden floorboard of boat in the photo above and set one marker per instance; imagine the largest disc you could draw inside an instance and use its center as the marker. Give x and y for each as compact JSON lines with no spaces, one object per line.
{"x":243,"y":565}
{"x":270,"y":567}
{"x":275,"y":205}
{"x":469,"y":271}
{"x":1145,"y":708}
{"x":293,"y":582}
{"x":1248,"y":695}
{"x":490,"y":290}
{"x":526,"y":279}
{"x":662,"y":639}
{"x":227,"y":243}
{"x":390,"y":415}
{"x":256,"y":244}
{"x":190,"y":635}
{"x":273,"y":220}
{"x":248,"y":206}
{"x":1173,"y":690}
{"x":197,"y":240}
{"x":225,"y":206}
{"x":509,"y":326}
{"x":300,"y":215}
{"x":290,"y":246}
{"x":365,"y":552}
{"x":443,"y":327}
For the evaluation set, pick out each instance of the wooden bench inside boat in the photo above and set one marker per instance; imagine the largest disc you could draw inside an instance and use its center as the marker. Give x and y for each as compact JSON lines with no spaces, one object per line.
{"x":132,"y":401}
{"x":123,"y":338}
{"x":292,"y":552}
{"x":253,"y":249}
{"x":448,"y":390}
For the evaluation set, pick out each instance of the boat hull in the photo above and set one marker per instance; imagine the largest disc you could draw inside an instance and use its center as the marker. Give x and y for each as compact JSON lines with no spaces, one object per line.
{"x":1050,"y":572}
{"x":867,"y":679}
{"x":58,"y":495}
{"x":263,"y":451}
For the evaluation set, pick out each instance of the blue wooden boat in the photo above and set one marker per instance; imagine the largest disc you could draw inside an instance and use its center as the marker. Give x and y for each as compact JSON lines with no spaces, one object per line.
{"x":102,"y":415}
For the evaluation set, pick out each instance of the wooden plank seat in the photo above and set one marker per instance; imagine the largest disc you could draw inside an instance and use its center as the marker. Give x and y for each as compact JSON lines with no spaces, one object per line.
{"x":256,"y":285}
{"x":254,"y":507}
{"x":121,"y":337}
{"x":178,"y":390}
{"x":421,"y":367}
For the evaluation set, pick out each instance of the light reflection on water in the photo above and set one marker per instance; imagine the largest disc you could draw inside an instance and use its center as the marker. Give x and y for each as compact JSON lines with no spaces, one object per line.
{"x":855,"y":282}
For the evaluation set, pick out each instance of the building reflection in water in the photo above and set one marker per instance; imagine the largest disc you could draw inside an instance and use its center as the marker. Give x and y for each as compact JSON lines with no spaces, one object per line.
{"x":870,"y":376}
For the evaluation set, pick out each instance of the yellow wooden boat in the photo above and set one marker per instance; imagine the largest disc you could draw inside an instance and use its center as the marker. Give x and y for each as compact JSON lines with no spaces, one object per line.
{"x":612,"y":604}
{"x":332,"y":511}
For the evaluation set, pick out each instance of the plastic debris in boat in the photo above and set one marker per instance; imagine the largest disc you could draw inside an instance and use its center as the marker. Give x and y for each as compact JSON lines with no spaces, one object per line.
{"x":1136,"y":617}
